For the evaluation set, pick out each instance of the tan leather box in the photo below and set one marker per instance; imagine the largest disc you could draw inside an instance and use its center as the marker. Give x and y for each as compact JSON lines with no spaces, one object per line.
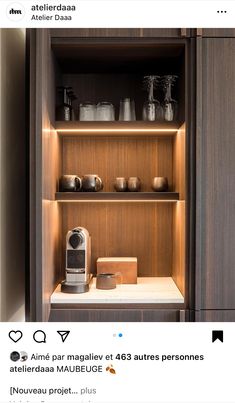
{"x":127,"y":266}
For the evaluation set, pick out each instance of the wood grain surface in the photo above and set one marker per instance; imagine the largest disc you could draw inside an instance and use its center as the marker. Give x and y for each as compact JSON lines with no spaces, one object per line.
{"x":121,"y":32}
{"x":215,"y":254}
{"x":142,"y":231}
{"x":45,"y":161}
{"x":179,"y":246}
{"x":218,"y":32}
{"x":179,"y":157}
{"x":94,"y":32}
{"x":114,"y":157}
{"x":215,"y":315}
{"x":114,"y":315}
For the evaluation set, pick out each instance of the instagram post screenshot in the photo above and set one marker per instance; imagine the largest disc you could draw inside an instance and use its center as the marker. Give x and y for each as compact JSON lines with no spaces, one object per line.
{"x":117,"y":201}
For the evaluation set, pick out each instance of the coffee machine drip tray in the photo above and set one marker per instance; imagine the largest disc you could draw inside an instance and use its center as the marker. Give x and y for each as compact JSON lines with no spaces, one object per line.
{"x":75,"y":287}
{"x":148,"y":290}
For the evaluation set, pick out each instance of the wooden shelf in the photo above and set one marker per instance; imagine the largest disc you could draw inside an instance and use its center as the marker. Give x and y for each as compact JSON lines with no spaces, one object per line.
{"x":148,"y":290}
{"x":107,"y":129}
{"x":116,"y":196}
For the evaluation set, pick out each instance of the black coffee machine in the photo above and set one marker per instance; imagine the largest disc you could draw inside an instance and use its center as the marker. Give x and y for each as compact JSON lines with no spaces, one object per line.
{"x":78,"y":261}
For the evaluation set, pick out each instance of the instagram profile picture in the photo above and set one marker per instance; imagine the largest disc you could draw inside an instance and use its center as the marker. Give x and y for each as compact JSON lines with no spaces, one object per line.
{"x":15,"y":356}
{"x":15,"y":11}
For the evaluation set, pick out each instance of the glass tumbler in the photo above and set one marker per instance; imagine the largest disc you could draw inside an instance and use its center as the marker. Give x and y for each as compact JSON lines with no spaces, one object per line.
{"x":87,"y":111}
{"x":105,"y":111}
{"x":127,"y":110}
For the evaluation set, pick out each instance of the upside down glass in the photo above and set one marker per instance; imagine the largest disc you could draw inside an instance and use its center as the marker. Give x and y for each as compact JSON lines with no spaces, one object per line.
{"x":170,"y":105}
{"x":87,"y":111}
{"x":127,"y":110}
{"x":152,"y":109}
{"x":105,"y":111}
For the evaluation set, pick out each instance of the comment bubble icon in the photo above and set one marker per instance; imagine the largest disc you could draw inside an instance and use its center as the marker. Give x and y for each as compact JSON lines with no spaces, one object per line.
{"x":39,"y":336}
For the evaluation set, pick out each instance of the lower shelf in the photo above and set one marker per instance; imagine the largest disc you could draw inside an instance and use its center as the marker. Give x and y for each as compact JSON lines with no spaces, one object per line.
{"x":148,"y":290}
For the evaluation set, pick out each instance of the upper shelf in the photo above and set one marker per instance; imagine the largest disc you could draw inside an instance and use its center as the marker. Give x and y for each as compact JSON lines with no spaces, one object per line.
{"x":116,"y":196}
{"x":116,"y":128}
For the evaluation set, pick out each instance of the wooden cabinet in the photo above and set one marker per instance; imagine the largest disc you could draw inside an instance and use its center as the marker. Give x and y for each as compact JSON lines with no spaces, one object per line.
{"x":215,"y":316}
{"x":115,"y":315}
{"x":44,"y":231}
{"x":165,"y":32}
{"x":215,"y":243}
{"x":121,"y":32}
{"x":218,"y":32}
{"x":104,"y":65}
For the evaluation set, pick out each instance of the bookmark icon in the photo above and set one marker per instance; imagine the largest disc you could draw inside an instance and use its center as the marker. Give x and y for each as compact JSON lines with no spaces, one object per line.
{"x":217,"y":335}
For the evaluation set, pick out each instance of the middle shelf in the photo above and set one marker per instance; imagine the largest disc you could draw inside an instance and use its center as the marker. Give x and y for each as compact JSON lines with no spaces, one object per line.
{"x":116,"y":196}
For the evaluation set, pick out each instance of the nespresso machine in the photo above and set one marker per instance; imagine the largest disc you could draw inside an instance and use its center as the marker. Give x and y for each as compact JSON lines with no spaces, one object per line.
{"x":78,"y":261}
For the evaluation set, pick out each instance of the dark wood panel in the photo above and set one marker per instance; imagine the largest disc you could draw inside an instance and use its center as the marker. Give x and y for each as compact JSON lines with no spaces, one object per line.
{"x":215,"y":254}
{"x":190,"y":174}
{"x":165,"y":32}
{"x":31,"y":103}
{"x":120,"y":32}
{"x":161,"y":315}
{"x":114,"y":315}
{"x":95,"y":32}
{"x":95,"y":315}
{"x":112,"y":88}
{"x":218,"y":32}
{"x":179,"y":159}
{"x":123,"y":229}
{"x":215,"y":316}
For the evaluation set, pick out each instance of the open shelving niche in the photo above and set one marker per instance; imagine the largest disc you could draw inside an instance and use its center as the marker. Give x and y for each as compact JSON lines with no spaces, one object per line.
{"x":124,"y":224}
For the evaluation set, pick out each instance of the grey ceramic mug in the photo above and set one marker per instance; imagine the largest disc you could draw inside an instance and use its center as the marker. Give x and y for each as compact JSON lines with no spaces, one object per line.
{"x":160,"y":184}
{"x":91,"y":183}
{"x":134,"y":184}
{"x":120,"y":184}
{"x":70,"y":183}
{"x":108,"y":281}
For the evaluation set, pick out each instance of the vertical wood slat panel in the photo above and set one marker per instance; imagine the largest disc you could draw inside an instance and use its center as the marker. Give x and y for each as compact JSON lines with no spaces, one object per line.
{"x":47,"y":223}
{"x":95,"y":33}
{"x":179,"y":158}
{"x":114,"y":315}
{"x":215,"y":254}
{"x":112,"y":157}
{"x":126,"y":229}
{"x":179,"y":243}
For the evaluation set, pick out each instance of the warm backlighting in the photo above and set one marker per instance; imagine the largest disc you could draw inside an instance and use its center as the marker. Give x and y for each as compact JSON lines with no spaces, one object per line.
{"x":117,"y":201}
{"x":113,"y":130}
{"x":117,"y":127}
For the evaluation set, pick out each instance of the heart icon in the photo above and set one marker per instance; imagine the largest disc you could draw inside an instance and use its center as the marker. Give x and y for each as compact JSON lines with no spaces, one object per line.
{"x":15,"y":335}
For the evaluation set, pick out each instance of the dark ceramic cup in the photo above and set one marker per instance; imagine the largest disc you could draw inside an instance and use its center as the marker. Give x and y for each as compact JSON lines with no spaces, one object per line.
{"x":120,"y":184}
{"x":134,"y":184}
{"x":160,"y":184}
{"x":91,"y":183}
{"x":108,"y":281}
{"x":70,"y":183}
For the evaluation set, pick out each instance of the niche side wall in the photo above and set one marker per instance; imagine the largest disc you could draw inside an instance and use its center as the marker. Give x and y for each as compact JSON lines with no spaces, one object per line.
{"x":12,"y":175}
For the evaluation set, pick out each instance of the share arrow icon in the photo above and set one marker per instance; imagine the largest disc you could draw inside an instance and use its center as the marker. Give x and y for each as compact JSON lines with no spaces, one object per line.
{"x":63,"y":334}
